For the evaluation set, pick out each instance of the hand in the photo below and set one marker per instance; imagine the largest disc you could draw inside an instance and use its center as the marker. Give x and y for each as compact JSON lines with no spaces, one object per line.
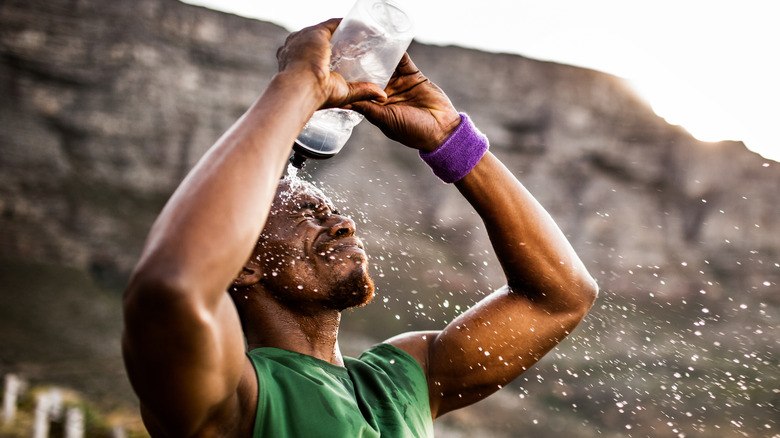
{"x":416,"y":113}
{"x":307,"y":52}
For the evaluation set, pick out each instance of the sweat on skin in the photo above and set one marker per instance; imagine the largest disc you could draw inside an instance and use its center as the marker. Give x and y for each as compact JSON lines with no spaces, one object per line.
{"x":293,"y":263}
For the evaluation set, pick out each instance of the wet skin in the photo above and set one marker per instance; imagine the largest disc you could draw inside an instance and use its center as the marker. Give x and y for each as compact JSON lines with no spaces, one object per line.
{"x":309,"y":254}
{"x":184,"y":338}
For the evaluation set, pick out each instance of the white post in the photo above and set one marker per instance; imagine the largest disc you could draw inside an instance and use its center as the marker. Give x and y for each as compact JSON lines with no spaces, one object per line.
{"x":47,"y":408}
{"x":74,"y":423}
{"x":55,"y":409}
{"x":13,"y":386}
{"x":118,"y":432}
{"x":41,"y":421}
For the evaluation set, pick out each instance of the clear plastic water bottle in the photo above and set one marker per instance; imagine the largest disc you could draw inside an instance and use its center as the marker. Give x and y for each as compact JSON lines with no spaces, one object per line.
{"x":366,"y":47}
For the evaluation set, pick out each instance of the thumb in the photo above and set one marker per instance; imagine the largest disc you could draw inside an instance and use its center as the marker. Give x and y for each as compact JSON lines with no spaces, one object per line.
{"x":364,"y":91}
{"x":384,"y":117}
{"x":371,"y":110}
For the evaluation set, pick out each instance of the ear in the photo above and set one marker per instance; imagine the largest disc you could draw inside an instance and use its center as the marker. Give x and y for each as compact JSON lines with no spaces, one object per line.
{"x":249,"y":275}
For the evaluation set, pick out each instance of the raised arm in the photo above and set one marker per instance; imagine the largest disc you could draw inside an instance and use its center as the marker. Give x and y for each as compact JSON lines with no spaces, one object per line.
{"x":548,"y":289}
{"x":182,"y":343}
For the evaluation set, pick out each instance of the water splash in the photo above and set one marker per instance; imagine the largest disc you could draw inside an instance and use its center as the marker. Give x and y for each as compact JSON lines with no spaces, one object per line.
{"x":297,"y":185}
{"x":292,"y":177}
{"x":646,"y":362}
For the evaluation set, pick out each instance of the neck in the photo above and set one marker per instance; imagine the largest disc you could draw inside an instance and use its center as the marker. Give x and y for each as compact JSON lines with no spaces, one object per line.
{"x":314,"y":333}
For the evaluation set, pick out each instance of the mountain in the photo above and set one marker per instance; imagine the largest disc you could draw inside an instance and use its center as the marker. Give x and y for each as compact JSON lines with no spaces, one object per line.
{"x":106,"y":105}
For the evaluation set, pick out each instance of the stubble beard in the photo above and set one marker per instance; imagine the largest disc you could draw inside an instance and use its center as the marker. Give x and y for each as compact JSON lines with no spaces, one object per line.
{"x":341,"y":291}
{"x":355,"y":289}
{"x":346,"y":284}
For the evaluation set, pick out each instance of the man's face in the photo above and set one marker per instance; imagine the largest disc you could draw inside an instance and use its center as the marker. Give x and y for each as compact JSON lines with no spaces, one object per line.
{"x":309,"y":254}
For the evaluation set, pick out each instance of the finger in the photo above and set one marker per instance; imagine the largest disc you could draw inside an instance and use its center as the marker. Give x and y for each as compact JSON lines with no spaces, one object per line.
{"x":331,"y":24}
{"x":326,"y":27}
{"x":371,"y":110}
{"x":406,"y":65}
{"x":364,"y":91}
{"x":383,"y":117}
{"x":405,"y":76}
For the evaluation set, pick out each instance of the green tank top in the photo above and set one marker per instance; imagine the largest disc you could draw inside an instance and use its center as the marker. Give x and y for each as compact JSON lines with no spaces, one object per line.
{"x":382,"y":393}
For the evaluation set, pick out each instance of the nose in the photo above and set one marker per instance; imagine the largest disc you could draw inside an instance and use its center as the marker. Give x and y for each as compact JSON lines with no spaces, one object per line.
{"x":343,"y":227}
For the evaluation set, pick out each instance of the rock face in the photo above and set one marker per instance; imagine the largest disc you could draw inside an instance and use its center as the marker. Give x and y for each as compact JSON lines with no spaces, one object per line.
{"x":107,"y":104}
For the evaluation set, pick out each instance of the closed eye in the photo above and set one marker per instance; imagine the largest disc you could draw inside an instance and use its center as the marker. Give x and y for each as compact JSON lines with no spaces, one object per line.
{"x":308,"y":209}
{"x":311,"y":210}
{"x":304,"y":209}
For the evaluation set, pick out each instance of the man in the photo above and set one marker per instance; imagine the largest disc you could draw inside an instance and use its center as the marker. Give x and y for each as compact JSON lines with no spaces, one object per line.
{"x":292,"y":263}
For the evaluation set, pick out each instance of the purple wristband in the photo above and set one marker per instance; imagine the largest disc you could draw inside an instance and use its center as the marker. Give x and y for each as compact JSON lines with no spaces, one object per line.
{"x":459,"y":153}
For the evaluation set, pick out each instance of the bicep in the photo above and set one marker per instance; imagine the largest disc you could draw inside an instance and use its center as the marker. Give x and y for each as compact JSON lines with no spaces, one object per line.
{"x":183,"y":359}
{"x":489,"y":346}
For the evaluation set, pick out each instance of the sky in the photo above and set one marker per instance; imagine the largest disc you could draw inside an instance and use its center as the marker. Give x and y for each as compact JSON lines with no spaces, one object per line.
{"x":711,"y":66}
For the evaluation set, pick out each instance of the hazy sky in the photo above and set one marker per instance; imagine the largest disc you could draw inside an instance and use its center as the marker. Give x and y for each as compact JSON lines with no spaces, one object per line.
{"x":711,"y":66}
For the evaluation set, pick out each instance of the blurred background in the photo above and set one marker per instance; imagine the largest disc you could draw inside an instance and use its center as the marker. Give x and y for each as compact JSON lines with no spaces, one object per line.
{"x":106,"y":105}
{"x":704,"y":64}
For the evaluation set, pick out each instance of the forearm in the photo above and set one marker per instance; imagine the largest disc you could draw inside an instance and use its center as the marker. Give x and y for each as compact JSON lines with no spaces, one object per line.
{"x":207,"y":229}
{"x":535,"y":255}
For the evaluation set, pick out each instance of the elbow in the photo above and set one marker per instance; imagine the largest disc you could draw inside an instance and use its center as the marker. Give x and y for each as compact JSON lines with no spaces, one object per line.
{"x":572,"y":294}
{"x":590,"y":291}
{"x":585,"y":295}
{"x":578,"y":298}
{"x":575,"y":304}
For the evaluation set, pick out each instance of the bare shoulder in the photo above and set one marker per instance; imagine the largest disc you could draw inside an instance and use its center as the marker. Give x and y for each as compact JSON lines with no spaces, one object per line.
{"x":416,"y":344}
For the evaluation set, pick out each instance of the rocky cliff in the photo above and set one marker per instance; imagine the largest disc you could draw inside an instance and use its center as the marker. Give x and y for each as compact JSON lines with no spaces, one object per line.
{"x":106,"y":105}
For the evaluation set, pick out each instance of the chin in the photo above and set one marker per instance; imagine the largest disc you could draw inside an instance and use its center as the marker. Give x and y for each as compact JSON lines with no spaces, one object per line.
{"x":356,"y":290}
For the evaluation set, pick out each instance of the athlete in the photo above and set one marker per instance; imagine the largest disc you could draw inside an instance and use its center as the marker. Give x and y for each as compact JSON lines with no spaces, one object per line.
{"x":232,"y":313}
